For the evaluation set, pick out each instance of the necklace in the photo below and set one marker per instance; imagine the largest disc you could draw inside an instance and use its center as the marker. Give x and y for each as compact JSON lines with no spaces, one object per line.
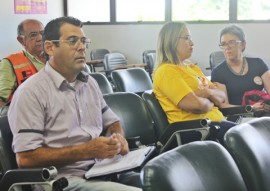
{"x":242,"y":68}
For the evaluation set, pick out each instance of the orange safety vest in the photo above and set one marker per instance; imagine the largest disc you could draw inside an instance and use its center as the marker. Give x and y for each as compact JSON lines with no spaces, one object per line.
{"x":22,"y":67}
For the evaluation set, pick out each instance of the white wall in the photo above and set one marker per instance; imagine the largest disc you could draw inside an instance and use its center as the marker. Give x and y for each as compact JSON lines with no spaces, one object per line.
{"x":9,"y":22}
{"x":132,"y":40}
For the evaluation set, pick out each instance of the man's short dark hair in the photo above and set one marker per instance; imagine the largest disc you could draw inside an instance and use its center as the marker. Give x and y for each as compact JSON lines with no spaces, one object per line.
{"x":52,"y":29}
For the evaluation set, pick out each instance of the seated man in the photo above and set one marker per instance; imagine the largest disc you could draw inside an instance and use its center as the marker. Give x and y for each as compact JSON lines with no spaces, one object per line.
{"x":16,"y":68}
{"x":59,"y":117}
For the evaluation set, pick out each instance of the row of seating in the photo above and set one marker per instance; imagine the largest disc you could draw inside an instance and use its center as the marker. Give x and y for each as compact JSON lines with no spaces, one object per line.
{"x":100,"y":60}
{"x":207,"y":166}
{"x":137,"y":120}
{"x":149,"y":58}
{"x":134,"y":80}
{"x":137,"y":117}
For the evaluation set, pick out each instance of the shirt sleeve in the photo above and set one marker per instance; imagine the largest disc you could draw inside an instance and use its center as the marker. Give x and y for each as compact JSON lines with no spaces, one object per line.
{"x":172,"y":84}
{"x":7,"y":79}
{"x":264,"y":67}
{"x":26,"y":121}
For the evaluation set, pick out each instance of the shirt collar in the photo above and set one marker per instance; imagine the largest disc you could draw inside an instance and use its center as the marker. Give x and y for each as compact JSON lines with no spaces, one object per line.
{"x":31,"y":57}
{"x":59,"y":80}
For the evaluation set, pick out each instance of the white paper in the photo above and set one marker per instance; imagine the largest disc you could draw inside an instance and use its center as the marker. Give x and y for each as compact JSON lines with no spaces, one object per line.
{"x":119,"y":163}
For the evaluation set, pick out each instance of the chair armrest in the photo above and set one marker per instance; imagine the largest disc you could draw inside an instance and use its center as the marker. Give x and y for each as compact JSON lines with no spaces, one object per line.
{"x":173,"y":131}
{"x":238,"y":110}
{"x":134,"y":142}
{"x":17,"y":177}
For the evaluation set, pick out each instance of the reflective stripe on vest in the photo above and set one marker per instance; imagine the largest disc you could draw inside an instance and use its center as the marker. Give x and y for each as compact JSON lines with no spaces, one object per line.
{"x":23,"y":68}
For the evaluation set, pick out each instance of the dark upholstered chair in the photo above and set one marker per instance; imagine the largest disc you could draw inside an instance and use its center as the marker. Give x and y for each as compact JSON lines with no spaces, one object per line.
{"x":167,"y":133}
{"x":103,"y":82}
{"x":113,"y":61}
{"x":216,"y":58}
{"x":15,"y":178}
{"x":134,"y":116}
{"x":149,"y":57}
{"x":98,"y":54}
{"x":249,"y":144}
{"x":134,"y":80}
{"x":87,"y":69}
{"x":196,"y":166}
{"x":7,"y":156}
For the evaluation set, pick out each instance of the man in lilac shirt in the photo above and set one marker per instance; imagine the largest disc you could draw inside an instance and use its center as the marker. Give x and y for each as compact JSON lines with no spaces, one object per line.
{"x":58,"y":116}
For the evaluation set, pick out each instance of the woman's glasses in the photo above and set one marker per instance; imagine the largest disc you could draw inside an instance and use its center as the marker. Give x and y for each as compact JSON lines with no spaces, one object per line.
{"x":231,"y":44}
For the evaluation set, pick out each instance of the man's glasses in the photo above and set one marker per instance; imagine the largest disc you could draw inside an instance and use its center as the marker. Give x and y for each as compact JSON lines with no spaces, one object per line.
{"x":74,"y":42}
{"x":34,"y":35}
{"x":230,"y":44}
{"x":188,"y":37}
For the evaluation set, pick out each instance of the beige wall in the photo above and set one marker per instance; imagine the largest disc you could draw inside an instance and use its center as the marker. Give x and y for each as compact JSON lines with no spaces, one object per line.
{"x":132,"y":40}
{"x":9,"y":22}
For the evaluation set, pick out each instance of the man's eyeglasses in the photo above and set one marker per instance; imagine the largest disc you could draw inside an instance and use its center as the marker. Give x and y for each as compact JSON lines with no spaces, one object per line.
{"x":34,"y":35}
{"x":188,"y":37}
{"x":74,"y":42}
{"x":230,"y":44}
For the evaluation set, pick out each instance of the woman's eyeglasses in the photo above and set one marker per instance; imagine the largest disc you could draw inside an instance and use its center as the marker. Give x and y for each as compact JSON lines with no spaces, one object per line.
{"x":188,"y":37}
{"x":230,"y":44}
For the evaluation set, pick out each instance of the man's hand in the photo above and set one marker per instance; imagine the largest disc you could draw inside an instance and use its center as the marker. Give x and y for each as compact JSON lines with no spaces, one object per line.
{"x":104,"y":147}
{"x":124,"y":144}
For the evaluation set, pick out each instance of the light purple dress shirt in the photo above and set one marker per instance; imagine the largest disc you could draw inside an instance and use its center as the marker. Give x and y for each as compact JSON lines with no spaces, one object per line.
{"x":46,"y":111}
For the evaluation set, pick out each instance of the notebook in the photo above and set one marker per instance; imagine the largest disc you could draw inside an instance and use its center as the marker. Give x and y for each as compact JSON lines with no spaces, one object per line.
{"x":120,"y":163}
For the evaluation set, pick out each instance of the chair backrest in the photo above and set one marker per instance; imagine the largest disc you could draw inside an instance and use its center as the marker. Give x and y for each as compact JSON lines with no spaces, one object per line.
{"x":158,"y":115}
{"x":200,"y":165}
{"x":112,"y":60}
{"x":145,"y":55}
{"x":134,"y":116}
{"x":152,"y":61}
{"x":98,"y":54}
{"x":149,"y":60}
{"x":103,"y":83}
{"x":87,"y":69}
{"x":216,"y":58}
{"x":249,"y":144}
{"x":7,"y":156}
{"x":134,"y":80}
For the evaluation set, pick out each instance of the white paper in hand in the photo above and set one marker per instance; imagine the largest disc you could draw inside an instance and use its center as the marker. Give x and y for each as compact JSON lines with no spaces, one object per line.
{"x":119,"y":163}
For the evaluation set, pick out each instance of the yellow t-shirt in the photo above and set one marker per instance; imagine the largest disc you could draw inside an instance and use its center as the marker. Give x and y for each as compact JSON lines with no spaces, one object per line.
{"x":172,"y":82}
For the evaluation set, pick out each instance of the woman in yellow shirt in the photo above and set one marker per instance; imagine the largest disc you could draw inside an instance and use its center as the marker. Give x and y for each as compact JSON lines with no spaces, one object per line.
{"x":182,"y":89}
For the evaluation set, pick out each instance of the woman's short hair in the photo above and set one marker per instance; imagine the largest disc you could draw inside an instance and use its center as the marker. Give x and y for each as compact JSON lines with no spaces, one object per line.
{"x":234,"y":30}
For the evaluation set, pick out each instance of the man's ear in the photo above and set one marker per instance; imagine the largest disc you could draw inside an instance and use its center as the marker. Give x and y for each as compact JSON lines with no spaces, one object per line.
{"x":49,"y":47}
{"x":21,"y":40}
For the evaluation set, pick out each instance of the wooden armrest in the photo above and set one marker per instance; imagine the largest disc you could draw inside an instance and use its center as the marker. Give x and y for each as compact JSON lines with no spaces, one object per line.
{"x":93,"y":62}
{"x":129,"y":66}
